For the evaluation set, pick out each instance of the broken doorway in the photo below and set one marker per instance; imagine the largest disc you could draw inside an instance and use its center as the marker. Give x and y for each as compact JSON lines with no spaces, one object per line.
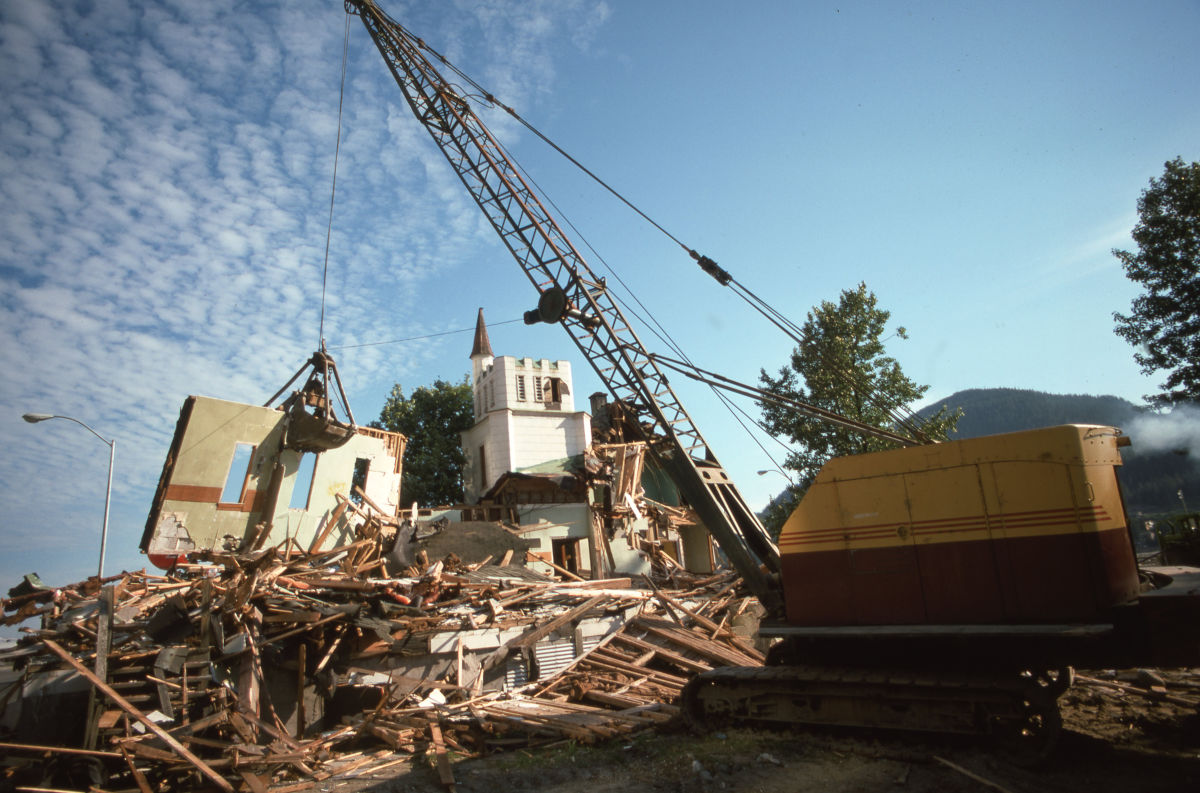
{"x":566,"y":554}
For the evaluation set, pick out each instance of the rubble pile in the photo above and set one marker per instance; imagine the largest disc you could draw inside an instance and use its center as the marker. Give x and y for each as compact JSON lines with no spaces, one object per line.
{"x":270,"y":669}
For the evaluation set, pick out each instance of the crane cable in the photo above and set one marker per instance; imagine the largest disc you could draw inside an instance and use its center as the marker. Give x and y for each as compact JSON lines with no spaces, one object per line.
{"x":647,"y":318}
{"x":902,"y":416}
{"x":491,"y":99}
{"x":333,"y":187}
{"x":424,"y":336}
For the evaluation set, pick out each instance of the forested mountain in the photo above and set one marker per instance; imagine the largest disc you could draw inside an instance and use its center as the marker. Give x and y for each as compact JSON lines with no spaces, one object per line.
{"x":987,"y":411}
{"x":1151,"y":478}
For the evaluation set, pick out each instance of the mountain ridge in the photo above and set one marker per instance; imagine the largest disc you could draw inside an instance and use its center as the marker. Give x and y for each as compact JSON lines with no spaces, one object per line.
{"x":1153,"y":481}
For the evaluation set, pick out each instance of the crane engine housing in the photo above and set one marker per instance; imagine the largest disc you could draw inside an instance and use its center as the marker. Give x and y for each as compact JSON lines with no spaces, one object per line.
{"x":1024,"y":527}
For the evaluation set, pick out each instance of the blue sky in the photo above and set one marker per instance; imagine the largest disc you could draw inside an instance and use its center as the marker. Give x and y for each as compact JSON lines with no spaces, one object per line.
{"x":165,"y":170}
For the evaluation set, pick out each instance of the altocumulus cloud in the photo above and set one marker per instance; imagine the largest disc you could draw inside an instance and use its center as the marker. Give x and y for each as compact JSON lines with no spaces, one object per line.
{"x":165,"y":172}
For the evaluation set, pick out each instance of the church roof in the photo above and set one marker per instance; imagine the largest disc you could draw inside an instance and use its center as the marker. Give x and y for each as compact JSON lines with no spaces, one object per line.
{"x":482,"y":345}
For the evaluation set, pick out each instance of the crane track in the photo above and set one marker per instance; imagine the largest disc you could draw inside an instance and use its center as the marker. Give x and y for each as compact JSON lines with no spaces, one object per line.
{"x":1019,"y":709}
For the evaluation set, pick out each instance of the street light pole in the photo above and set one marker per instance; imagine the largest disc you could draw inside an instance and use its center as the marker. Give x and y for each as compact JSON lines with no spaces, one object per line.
{"x":34,"y":418}
{"x":779,"y":471}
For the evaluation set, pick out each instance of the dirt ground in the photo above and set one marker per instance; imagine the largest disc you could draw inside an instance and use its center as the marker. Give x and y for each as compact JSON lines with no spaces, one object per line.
{"x":1113,"y":741}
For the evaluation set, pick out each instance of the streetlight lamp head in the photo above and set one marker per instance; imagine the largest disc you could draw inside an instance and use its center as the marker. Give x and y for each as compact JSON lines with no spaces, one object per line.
{"x":34,"y":418}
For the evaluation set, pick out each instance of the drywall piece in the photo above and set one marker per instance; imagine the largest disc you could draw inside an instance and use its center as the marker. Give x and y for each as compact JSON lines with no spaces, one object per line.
{"x":227,"y":474}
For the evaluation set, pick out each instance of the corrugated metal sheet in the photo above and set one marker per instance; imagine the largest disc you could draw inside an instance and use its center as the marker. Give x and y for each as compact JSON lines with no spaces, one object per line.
{"x":550,"y":657}
{"x":553,"y":657}
{"x":515,"y":673}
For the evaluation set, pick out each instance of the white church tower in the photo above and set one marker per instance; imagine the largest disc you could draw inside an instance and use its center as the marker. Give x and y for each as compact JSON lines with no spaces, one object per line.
{"x":524,"y":415}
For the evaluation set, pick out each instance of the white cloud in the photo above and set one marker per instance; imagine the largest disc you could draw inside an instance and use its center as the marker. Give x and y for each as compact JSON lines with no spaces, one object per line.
{"x":165,"y":172}
{"x":1095,"y":252}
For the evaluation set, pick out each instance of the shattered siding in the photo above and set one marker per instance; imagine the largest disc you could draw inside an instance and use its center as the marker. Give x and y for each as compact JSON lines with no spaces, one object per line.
{"x":544,"y":523}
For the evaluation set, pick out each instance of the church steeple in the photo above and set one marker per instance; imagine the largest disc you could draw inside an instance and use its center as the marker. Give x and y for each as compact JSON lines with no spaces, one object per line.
{"x":481,"y":350}
{"x":482,"y":345}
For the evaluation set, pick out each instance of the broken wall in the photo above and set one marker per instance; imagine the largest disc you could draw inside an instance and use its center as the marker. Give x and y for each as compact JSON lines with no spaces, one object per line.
{"x":227,"y":474}
{"x":561,"y":525}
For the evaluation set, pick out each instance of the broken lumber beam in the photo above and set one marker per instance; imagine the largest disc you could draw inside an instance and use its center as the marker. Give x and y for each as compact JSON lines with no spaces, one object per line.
{"x":335,"y":517}
{"x":120,"y":701}
{"x":38,"y":749}
{"x":367,"y":500}
{"x":445,"y":773}
{"x":138,"y":777}
{"x":690,"y":664}
{"x":529,"y":557}
{"x":712,"y":627}
{"x":532,"y":636}
{"x":702,"y":645}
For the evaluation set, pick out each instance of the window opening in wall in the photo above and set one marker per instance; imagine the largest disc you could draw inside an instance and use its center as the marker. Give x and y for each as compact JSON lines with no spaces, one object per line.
{"x":520,"y":388}
{"x":537,"y":388}
{"x":482,"y":467}
{"x":359,"y":480}
{"x":239,"y":474}
{"x":491,"y":393}
{"x":302,"y":489}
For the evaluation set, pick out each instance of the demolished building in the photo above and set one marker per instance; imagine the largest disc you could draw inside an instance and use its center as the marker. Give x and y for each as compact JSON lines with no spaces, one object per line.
{"x":267,"y":667}
{"x":590,"y":508}
{"x":242,"y":477}
{"x":303,"y":608}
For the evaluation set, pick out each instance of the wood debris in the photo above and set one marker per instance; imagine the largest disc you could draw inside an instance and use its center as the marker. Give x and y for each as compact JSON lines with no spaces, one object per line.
{"x":281,"y":668}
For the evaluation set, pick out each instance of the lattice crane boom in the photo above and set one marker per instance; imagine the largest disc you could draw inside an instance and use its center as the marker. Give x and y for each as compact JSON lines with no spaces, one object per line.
{"x":586,"y":310}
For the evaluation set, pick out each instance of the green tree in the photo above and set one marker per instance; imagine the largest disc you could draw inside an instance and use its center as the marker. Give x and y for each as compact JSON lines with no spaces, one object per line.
{"x":432,"y":418}
{"x":841,"y":366}
{"x":1163,"y":324}
{"x":780,"y":508}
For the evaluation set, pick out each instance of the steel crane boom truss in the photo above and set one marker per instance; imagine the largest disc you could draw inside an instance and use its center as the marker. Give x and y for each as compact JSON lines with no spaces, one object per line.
{"x":594,"y":320}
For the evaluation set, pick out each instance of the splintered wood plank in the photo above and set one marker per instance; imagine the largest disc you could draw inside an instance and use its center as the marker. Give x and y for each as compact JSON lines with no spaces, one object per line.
{"x":531,"y":637}
{"x":334,"y":518}
{"x":692,"y":665}
{"x":685,"y":639}
{"x":445,"y":773}
{"x":604,"y":661}
{"x":138,"y":777}
{"x":120,"y":701}
{"x":39,"y":749}
{"x":253,"y":781}
{"x":543,"y":725}
{"x":712,"y":627}
{"x":572,"y":719}
{"x":560,"y":570}
{"x":633,"y":708}
{"x":104,"y":624}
